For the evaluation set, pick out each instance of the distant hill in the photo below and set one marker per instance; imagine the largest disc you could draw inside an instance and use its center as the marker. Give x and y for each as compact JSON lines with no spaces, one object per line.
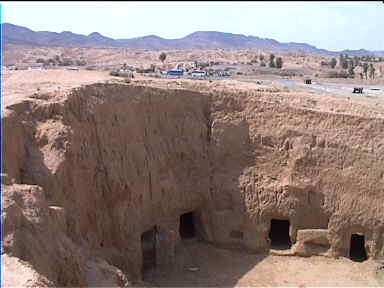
{"x":18,"y":35}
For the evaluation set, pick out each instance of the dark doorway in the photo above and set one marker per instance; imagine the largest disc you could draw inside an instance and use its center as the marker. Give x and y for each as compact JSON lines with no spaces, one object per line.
{"x":357,"y":250}
{"x":148,"y":246}
{"x":187,"y":226}
{"x":279,"y":234}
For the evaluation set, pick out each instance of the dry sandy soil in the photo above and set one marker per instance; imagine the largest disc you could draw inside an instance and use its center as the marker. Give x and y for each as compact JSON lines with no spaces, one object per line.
{"x":19,"y":84}
{"x":228,"y":268}
{"x":116,"y":56}
{"x":108,"y":58}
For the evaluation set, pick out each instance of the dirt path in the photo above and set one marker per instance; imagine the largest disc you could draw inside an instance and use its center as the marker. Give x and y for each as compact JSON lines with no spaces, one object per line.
{"x":220,"y":267}
{"x":371,"y":93}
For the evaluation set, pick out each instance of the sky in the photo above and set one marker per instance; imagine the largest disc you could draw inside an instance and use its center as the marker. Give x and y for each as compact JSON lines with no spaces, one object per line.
{"x":335,"y":25}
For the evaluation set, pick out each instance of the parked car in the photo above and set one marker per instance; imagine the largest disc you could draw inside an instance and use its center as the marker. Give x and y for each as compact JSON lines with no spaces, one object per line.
{"x":175,"y":72}
{"x":199,"y":73}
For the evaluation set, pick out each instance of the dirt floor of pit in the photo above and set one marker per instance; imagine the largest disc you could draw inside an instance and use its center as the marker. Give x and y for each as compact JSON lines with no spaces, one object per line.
{"x":198,"y":264}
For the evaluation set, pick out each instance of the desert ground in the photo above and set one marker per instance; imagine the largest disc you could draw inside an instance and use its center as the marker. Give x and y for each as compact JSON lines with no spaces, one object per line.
{"x":246,"y":61}
{"x":323,"y":94}
{"x":49,"y":98}
{"x":198,"y":264}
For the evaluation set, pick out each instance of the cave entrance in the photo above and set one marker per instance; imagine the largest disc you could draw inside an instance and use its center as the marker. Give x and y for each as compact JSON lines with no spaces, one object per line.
{"x":187,"y":226}
{"x":279,"y":234}
{"x":357,"y":250}
{"x":148,"y":246}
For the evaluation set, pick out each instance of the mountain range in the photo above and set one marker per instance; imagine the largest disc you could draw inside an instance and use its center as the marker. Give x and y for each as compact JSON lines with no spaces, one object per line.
{"x":204,"y":40}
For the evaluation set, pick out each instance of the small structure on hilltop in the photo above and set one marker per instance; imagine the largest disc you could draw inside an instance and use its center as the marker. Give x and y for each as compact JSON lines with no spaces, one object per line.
{"x":308,"y":81}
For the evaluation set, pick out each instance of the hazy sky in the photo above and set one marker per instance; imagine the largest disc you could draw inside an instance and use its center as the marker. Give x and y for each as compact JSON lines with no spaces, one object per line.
{"x":329,"y":25}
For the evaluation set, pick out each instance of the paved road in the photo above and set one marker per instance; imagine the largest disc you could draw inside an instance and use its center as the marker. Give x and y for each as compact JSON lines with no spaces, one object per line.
{"x":370,"y":92}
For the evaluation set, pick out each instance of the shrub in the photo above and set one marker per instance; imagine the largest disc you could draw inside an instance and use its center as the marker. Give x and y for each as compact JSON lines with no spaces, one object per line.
{"x":81,"y":63}
{"x":341,"y":74}
{"x":162,"y":57}
{"x":121,"y":74}
{"x":66,"y":62}
{"x":271,"y":61}
{"x":50,"y":61}
{"x":279,"y":62}
{"x":333,"y":63}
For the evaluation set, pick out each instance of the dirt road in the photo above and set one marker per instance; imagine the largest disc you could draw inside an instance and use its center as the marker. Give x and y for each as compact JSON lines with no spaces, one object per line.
{"x":371,"y":93}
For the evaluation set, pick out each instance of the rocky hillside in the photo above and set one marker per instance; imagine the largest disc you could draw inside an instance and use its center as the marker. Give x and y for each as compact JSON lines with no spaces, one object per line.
{"x":202,"y":40}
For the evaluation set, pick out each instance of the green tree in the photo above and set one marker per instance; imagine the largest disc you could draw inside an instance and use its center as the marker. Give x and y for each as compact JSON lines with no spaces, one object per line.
{"x":333,"y":63}
{"x":356,"y":61}
{"x":371,"y":71}
{"x":341,"y":60}
{"x":162,"y":57}
{"x":351,"y":68}
{"x":365,"y":69}
{"x":57,"y":59}
{"x":261,"y":57}
{"x":279,"y":62}
{"x":271,"y":61}
{"x":345,"y":64}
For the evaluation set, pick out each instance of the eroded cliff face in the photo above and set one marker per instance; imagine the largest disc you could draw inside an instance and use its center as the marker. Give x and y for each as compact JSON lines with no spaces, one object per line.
{"x":115,"y":161}
{"x":317,"y":170}
{"x":89,"y":174}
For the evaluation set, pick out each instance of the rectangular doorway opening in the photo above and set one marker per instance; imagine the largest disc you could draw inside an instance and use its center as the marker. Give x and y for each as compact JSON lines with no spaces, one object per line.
{"x":148,"y":246}
{"x":187,"y":226}
{"x":279,"y":234}
{"x":357,"y":250}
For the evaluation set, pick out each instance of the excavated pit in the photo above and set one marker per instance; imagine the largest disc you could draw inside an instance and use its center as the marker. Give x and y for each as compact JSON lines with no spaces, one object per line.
{"x":112,"y":178}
